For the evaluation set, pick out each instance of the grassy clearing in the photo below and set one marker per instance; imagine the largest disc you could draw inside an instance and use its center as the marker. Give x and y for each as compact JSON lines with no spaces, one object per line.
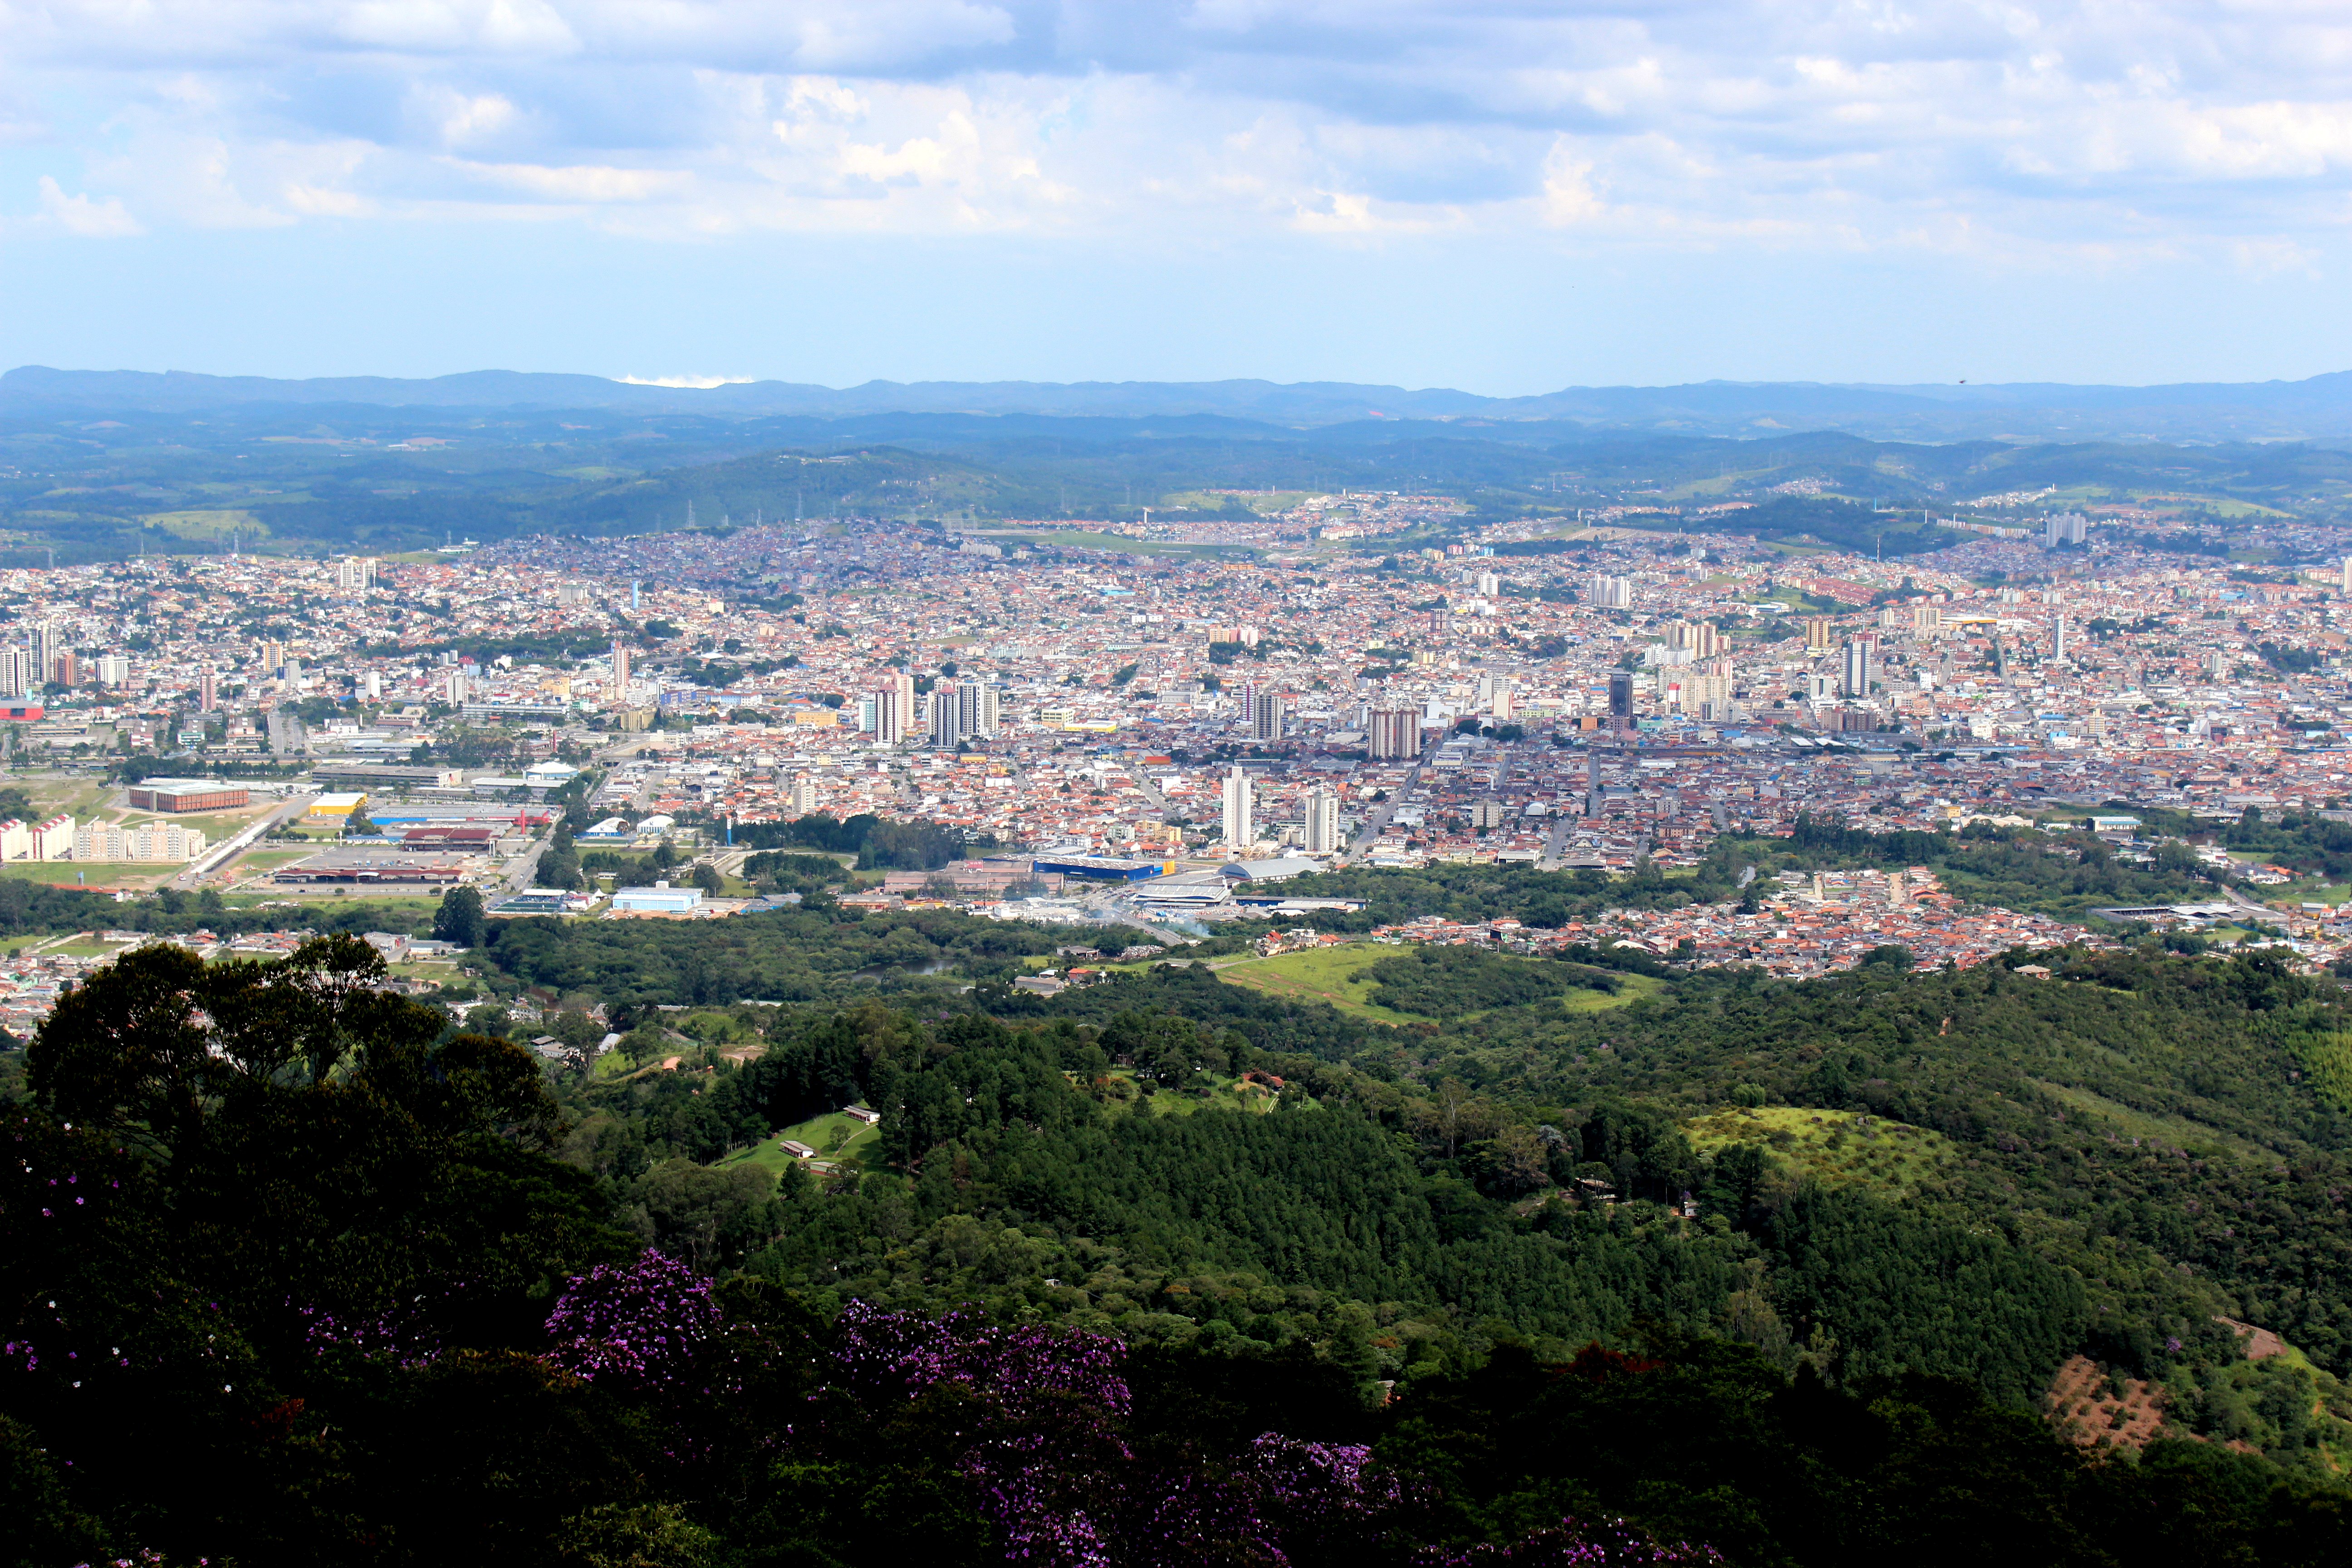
{"x":857,"y":1138}
{"x":2175,"y":1131}
{"x":270,"y":860}
{"x":92,"y":873}
{"x":1833,"y":1146}
{"x":1333,"y":974}
{"x":1340,"y":977}
{"x":1225,"y":1094}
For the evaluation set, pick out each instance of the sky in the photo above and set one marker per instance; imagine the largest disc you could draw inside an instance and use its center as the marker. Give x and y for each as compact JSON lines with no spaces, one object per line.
{"x":1506,"y":196}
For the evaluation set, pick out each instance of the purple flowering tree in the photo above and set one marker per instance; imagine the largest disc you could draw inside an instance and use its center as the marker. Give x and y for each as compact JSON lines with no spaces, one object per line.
{"x":1040,"y":1410}
{"x":643,"y":1325}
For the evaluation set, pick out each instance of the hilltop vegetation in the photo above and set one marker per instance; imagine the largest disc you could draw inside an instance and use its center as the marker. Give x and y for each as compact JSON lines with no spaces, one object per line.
{"x":1779,"y":1244}
{"x":384,"y":480}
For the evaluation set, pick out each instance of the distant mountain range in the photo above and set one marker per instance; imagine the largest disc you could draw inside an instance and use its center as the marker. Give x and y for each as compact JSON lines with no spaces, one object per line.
{"x":2318,"y":410}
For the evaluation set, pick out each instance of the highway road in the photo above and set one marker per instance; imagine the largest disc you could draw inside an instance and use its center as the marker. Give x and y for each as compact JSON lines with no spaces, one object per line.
{"x":293,"y":807}
{"x":1368,"y":834}
{"x":1556,"y":842}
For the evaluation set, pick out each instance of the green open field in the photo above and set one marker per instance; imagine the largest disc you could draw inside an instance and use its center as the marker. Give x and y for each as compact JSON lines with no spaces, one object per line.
{"x":1833,"y":1146}
{"x":1333,"y":974}
{"x":857,"y":1138}
{"x":97,"y":873}
{"x":1338,"y":975}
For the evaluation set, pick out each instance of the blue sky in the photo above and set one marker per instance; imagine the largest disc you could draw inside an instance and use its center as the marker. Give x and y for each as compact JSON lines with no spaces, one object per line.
{"x":1504,"y":195}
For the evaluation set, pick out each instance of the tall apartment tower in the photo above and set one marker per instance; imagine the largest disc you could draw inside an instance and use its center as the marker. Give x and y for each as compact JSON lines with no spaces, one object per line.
{"x":1821,"y":634}
{"x":804,"y":795}
{"x":620,"y":693}
{"x":975,"y":710}
{"x":1265,"y":716}
{"x":894,"y":709}
{"x":1394,"y":733}
{"x":1855,"y":678}
{"x":1323,"y":821}
{"x":355,"y":573}
{"x":16,"y":677}
{"x":1240,"y":816}
{"x":42,"y":646}
{"x":1603,"y":591}
{"x":208,"y":692}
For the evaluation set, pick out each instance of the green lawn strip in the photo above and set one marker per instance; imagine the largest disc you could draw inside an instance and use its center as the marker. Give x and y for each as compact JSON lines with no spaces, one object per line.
{"x":2180,"y":1131}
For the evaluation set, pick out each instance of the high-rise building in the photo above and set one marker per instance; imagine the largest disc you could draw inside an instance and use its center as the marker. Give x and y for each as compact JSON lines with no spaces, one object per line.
{"x":113,"y":670}
{"x":272,"y":655}
{"x":1621,"y":699}
{"x":67,"y":669}
{"x":16,"y":675}
{"x":1603,"y":591}
{"x":355,"y":573}
{"x":976,"y":710}
{"x":42,"y":646}
{"x":208,"y":691}
{"x":1265,"y":717}
{"x":1821,"y":634}
{"x":1240,"y":814}
{"x":2065,"y":528}
{"x":619,"y":695}
{"x":1322,"y":821}
{"x":1394,"y":733}
{"x":804,"y":795}
{"x":1489,"y":584}
{"x":894,"y":709}
{"x":1704,"y":639}
{"x":1854,"y":679}
{"x":2058,"y":637}
{"x":1926,"y":620}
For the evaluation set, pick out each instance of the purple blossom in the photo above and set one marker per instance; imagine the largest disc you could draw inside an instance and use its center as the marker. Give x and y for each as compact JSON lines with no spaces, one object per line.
{"x":645,"y":1324}
{"x":1611,"y":1543}
{"x":881,"y":1355}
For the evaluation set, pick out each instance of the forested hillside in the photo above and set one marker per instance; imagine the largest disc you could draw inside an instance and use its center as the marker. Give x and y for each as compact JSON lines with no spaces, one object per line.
{"x":1718,"y":1257}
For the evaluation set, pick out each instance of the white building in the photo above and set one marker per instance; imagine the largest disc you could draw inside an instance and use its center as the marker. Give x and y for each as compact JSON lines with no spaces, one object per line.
{"x":148,"y":841}
{"x":1240,"y":814}
{"x":1322,"y":834}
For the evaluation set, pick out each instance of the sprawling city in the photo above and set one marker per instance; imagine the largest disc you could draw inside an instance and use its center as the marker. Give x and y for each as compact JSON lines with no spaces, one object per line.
{"x":1171,"y":744}
{"x":970,"y":783}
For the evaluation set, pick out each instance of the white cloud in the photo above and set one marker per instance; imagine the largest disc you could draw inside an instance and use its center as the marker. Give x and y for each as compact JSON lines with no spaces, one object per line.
{"x":80,"y":215}
{"x":2219,"y":124}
